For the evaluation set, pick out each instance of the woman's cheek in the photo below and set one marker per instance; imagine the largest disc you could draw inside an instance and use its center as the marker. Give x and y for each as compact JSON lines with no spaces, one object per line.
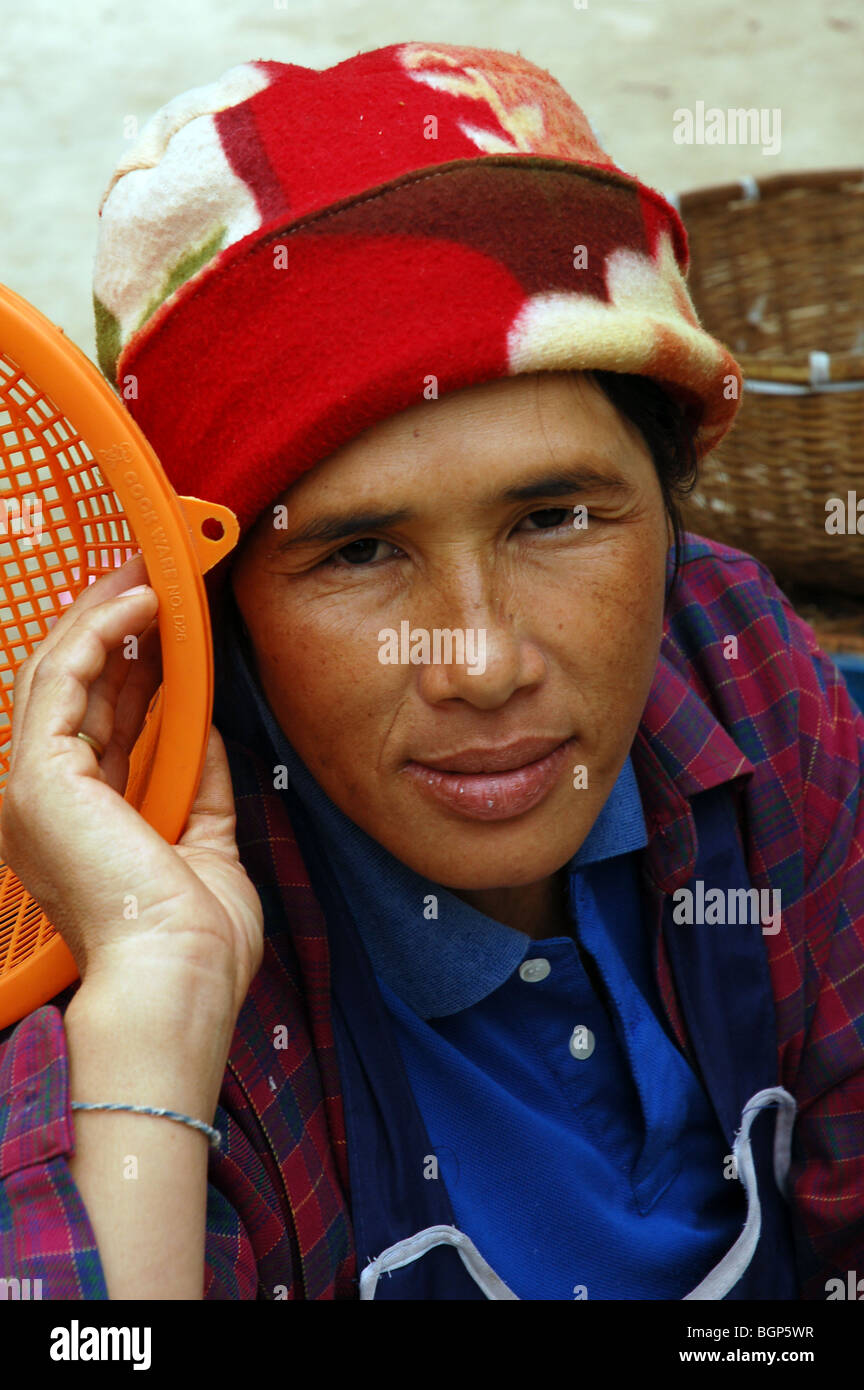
{"x":618,"y":625}
{"x":325,"y":676}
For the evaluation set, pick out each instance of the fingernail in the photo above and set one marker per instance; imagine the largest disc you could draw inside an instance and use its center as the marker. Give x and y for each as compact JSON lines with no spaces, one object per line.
{"x":139,"y":589}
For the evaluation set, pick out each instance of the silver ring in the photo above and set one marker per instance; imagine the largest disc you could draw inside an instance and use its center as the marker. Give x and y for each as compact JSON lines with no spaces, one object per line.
{"x":94,"y":744}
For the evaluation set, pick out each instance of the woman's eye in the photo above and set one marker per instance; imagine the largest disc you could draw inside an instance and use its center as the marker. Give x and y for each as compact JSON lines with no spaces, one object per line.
{"x":364,"y":551}
{"x":356,"y":553}
{"x":549,"y":518}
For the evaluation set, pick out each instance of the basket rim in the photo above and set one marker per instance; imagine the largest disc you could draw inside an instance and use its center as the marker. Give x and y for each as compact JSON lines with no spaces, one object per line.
{"x":751,"y":189}
{"x":797,"y":367}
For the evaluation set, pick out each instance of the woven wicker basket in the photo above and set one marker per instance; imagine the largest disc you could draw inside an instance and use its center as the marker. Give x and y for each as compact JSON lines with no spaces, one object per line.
{"x":777,"y":274}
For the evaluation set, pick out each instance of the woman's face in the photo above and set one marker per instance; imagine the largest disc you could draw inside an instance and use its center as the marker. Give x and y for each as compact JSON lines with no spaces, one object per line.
{"x":458,"y":515}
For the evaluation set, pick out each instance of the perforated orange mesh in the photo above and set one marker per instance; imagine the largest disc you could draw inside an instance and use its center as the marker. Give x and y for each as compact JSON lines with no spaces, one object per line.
{"x":68,"y":453}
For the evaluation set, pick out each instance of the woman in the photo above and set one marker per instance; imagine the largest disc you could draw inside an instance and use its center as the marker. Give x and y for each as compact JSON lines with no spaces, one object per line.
{"x":472,"y":991}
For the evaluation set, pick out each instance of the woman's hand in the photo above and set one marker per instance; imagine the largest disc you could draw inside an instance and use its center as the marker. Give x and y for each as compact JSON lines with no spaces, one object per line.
{"x":167,"y":938}
{"x":133,"y":909}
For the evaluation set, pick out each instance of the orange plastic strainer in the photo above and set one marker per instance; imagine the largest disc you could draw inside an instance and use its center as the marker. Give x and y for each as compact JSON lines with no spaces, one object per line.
{"x":81,"y":492}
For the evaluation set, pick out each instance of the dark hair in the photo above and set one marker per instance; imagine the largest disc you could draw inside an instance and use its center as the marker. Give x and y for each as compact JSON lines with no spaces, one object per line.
{"x":667,"y":428}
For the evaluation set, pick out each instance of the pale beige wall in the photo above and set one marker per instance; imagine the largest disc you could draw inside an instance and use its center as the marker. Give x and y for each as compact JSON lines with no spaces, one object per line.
{"x":71,"y":74}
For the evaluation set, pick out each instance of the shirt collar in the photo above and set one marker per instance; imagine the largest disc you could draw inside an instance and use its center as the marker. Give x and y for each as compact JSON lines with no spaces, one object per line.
{"x":680,"y":750}
{"x":436,"y":952}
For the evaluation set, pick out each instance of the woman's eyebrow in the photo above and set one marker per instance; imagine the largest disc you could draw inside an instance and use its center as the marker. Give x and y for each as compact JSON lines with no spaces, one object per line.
{"x":334,"y":528}
{"x":570,"y":479}
{"x":566,"y":481}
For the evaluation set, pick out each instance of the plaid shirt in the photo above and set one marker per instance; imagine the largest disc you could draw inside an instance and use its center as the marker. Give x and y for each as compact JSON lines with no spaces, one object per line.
{"x":775,"y":720}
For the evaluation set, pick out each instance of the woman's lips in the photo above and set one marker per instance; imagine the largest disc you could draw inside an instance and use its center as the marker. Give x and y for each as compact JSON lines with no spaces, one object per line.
{"x":492,"y":795}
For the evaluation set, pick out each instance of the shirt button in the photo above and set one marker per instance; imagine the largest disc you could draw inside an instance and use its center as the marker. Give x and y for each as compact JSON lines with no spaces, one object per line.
{"x":581,"y":1042}
{"x":535,"y":969}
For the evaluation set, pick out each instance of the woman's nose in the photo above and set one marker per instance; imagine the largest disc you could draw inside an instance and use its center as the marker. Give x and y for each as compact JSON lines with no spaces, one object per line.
{"x":481,"y":664}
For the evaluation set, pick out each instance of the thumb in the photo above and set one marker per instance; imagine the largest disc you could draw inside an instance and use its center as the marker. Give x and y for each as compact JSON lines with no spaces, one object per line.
{"x":212,"y":819}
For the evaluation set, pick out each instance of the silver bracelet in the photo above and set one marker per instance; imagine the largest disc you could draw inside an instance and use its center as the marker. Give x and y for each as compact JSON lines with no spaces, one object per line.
{"x":212,"y":1134}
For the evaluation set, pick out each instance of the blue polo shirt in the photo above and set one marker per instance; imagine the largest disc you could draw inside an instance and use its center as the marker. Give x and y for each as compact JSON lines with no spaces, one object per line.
{"x":580,"y":1151}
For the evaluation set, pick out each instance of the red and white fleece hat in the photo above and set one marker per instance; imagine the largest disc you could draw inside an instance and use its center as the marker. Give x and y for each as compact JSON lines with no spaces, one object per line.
{"x":287,"y":256}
